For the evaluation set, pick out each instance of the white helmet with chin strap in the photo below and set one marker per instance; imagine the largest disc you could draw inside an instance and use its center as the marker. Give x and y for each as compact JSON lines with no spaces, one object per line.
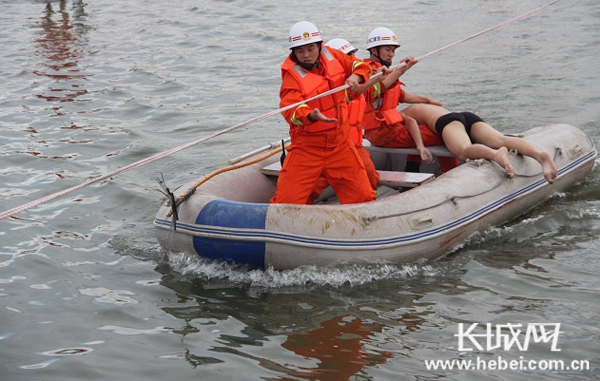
{"x":342,"y":45}
{"x":304,"y":33}
{"x":381,"y":36}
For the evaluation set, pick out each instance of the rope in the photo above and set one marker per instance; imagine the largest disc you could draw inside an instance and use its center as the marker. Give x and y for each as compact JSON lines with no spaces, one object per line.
{"x":174,"y":150}
{"x":191,"y":191}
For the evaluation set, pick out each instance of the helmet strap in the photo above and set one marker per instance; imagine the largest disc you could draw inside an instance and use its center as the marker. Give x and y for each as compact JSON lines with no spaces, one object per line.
{"x":310,"y":66}
{"x":384,"y":63}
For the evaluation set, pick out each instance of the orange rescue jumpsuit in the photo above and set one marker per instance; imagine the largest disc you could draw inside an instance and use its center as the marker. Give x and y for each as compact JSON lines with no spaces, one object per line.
{"x":321,"y":149}
{"x":384,"y":126}
{"x":356,"y":110}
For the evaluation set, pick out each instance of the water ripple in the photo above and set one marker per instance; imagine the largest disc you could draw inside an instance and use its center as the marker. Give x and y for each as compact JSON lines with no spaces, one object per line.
{"x":132,"y":331}
{"x":105,"y":295}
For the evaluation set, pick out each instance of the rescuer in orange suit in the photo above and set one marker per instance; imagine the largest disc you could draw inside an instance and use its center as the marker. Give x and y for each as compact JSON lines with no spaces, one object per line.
{"x":356,"y":109}
{"x":384,"y":125}
{"x":319,"y":130}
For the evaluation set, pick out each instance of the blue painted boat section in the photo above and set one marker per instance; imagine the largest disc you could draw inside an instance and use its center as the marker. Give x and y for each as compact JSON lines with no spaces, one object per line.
{"x":232,"y":214}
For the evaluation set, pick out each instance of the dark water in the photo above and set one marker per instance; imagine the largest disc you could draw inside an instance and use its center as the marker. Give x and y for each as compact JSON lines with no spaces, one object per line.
{"x":87,"y":293}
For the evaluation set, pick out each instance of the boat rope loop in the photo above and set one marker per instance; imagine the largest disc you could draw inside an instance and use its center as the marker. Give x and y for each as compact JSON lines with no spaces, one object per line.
{"x":174,"y":150}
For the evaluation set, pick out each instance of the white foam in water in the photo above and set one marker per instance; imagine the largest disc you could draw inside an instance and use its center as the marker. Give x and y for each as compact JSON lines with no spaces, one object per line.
{"x":586,"y":210}
{"x":353,"y":274}
{"x":495,"y":232}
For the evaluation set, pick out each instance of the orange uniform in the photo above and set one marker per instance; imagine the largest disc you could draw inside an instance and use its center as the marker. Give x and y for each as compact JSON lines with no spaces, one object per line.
{"x":321,"y":149}
{"x":384,"y":126}
{"x":356,"y":110}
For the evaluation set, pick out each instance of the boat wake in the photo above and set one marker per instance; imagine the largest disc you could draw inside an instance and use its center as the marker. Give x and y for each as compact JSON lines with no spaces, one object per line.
{"x":335,"y":276}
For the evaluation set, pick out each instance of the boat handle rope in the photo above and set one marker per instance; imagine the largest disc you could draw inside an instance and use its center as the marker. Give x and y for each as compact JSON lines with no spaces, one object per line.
{"x":179,"y":148}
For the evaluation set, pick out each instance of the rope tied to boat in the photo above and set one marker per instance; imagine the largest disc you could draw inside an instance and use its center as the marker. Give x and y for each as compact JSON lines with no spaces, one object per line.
{"x":161,"y":155}
{"x":171,"y":199}
{"x":182,"y":198}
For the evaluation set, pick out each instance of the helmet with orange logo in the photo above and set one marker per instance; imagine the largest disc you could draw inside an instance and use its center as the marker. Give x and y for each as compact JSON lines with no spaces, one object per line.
{"x":381,"y":36}
{"x":304,"y":33}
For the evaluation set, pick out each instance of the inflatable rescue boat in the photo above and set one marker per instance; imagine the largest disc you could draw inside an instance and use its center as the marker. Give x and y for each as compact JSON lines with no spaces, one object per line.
{"x":415,"y":217}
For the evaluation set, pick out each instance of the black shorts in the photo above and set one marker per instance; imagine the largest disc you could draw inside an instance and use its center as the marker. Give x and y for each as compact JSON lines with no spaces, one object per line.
{"x":466,"y":118}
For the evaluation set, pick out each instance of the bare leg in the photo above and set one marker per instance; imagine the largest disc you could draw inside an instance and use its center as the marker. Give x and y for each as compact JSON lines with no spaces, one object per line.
{"x":460,"y":145}
{"x":458,"y":142}
{"x":486,"y":134}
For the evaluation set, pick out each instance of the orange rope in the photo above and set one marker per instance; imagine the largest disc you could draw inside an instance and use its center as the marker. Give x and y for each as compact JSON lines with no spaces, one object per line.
{"x":236,"y":166}
{"x":191,"y":191}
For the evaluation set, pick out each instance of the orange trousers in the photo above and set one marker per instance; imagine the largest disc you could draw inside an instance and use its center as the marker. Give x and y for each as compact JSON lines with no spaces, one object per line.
{"x":372,"y":174}
{"x":327,"y":154}
{"x":397,"y":136}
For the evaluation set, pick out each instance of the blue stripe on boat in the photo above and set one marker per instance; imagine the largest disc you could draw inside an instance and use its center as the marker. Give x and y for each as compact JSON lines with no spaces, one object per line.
{"x":235,"y":215}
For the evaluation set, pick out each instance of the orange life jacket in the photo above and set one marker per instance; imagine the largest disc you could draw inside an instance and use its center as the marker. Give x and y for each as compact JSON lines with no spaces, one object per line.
{"x":383,"y":110}
{"x":356,"y":112}
{"x":333,"y":105}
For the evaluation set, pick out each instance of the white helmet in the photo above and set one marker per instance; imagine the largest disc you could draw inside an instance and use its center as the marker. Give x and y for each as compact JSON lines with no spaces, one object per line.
{"x":342,"y":45}
{"x":381,"y":36}
{"x":304,"y":33}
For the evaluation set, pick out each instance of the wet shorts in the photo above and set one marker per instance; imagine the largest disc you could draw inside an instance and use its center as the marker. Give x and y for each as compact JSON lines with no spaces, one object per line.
{"x":466,"y":118}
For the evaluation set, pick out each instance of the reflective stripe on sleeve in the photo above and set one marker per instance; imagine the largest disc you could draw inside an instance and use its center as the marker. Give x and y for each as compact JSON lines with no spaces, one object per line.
{"x":377,"y":90}
{"x":356,"y":64}
{"x":297,"y":122}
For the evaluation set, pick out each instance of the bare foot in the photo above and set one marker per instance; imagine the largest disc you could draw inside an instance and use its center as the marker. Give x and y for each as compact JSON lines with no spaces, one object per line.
{"x":550,"y":171}
{"x":501,"y":157}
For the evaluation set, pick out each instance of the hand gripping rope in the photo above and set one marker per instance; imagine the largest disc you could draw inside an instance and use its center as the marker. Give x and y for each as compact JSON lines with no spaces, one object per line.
{"x":174,"y":150}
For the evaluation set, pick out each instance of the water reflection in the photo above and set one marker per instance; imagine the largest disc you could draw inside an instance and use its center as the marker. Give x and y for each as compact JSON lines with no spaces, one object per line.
{"x":318,"y":332}
{"x":315,"y":332}
{"x":318,"y":335}
{"x":338,"y":345}
{"x":58,"y":43}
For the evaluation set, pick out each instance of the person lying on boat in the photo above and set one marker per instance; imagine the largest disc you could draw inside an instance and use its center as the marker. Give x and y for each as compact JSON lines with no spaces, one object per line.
{"x":320,"y":146}
{"x":467,"y":136}
{"x":384,"y":125}
{"x":356,"y":110}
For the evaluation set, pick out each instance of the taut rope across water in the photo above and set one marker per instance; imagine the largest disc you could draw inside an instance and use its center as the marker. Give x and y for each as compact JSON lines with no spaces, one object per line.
{"x":174,"y":150}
